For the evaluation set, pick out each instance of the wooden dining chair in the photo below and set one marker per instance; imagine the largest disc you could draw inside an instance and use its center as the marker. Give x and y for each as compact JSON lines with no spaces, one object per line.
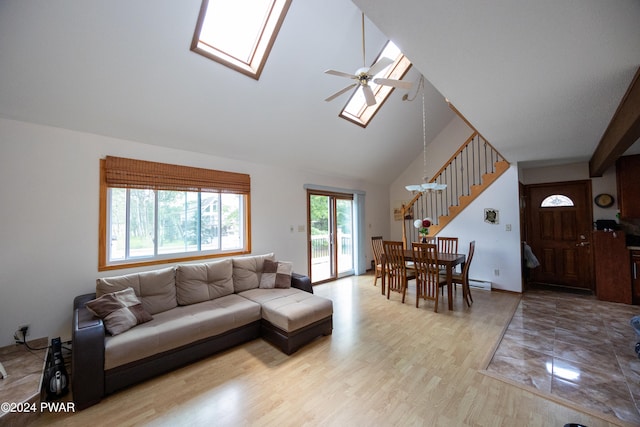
{"x":428,"y":279}
{"x":376,"y":246}
{"x":448,"y":245}
{"x":463,"y":278}
{"x":398,"y":275}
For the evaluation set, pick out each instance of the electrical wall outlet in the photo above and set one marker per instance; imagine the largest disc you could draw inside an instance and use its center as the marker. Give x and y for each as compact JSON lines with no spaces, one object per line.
{"x":21,"y":334}
{"x":496,"y":272}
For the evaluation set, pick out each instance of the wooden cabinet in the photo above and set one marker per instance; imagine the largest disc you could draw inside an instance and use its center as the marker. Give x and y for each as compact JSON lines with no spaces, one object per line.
{"x":628,"y":181}
{"x":635,"y":275}
{"x":612,"y":266}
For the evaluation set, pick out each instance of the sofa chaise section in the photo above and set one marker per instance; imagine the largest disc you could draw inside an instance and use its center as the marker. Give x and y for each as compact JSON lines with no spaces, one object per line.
{"x":291,"y":317}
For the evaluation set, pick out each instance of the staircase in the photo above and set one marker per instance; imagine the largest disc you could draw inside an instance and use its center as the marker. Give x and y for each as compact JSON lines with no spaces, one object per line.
{"x":470,"y":171}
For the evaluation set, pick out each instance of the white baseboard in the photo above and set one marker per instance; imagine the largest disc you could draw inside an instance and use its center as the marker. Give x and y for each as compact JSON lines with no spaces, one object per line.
{"x":479,"y":284}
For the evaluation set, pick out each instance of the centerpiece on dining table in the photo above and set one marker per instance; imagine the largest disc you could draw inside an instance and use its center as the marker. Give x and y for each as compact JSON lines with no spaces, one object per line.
{"x":423,"y":228}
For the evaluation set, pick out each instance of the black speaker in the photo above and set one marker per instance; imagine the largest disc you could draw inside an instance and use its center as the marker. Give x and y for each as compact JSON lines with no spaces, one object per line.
{"x":56,"y":381}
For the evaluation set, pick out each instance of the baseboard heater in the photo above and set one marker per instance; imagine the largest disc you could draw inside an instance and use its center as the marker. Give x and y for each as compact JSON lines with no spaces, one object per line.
{"x":479,"y":284}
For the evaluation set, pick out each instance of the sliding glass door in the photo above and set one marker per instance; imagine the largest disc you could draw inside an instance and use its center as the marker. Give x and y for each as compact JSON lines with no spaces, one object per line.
{"x":330,"y":235}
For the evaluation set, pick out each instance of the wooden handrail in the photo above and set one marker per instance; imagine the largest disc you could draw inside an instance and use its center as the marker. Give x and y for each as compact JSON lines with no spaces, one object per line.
{"x":452,"y":158}
{"x":442,"y":169}
{"x":483,"y":163}
{"x":464,"y":119}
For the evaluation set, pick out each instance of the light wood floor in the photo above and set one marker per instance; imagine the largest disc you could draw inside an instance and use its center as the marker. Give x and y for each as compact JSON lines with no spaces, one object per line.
{"x":387,"y":363}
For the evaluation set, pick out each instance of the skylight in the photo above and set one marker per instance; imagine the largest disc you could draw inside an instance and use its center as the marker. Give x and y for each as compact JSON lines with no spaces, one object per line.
{"x":239,"y":33}
{"x":356,"y":110}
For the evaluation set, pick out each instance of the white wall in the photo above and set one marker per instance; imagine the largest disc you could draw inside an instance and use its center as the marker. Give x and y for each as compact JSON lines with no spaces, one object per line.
{"x":49,"y":181}
{"x":496,"y":248}
{"x":556,"y":173}
{"x":575,"y":172}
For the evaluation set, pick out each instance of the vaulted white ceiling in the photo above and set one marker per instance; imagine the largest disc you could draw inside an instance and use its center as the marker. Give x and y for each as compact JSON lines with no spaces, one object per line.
{"x":540,"y":80}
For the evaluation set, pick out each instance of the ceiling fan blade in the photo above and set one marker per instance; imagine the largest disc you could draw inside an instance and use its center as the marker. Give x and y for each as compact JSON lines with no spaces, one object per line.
{"x":340,"y":92}
{"x":368,"y":95}
{"x":340,"y":74}
{"x":395,"y":83}
{"x":383,"y":63}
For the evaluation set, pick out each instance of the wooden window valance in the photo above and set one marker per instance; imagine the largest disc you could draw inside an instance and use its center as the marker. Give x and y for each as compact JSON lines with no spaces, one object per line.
{"x":131,"y":173}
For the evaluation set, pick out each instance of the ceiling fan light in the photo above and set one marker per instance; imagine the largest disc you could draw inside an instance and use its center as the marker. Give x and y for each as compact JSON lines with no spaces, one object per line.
{"x":363,"y":76}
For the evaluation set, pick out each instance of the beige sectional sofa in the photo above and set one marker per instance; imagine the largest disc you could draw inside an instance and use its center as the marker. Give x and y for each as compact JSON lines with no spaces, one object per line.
{"x":184,"y":313}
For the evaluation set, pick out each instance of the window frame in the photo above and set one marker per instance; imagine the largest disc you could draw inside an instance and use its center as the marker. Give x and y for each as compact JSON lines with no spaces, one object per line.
{"x":262,"y":49}
{"x":397,"y":70}
{"x":565,"y":201}
{"x":104,"y":223}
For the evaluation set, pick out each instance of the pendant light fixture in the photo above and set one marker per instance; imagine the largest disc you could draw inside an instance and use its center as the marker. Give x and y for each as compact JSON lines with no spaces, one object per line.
{"x":426,"y":186}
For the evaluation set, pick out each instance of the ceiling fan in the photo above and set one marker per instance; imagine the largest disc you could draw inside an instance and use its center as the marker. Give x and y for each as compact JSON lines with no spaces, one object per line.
{"x":366,"y":74}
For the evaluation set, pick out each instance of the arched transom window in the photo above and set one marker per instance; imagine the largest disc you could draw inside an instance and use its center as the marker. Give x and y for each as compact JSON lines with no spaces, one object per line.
{"x":556,"y":201}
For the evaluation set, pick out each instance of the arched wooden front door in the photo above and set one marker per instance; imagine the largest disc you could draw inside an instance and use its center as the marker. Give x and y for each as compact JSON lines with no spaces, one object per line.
{"x":559,"y":233}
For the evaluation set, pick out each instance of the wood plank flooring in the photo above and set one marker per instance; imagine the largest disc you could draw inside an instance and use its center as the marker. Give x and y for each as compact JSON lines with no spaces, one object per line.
{"x":386,"y":364}
{"x":24,"y":374}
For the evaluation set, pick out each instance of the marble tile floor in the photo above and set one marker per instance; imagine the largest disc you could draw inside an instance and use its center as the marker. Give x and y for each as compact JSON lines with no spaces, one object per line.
{"x":575,"y":348}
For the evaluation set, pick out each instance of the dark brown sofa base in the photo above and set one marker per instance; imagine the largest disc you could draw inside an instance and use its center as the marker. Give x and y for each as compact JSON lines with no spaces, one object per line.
{"x":90,"y":383}
{"x":140,"y":370}
{"x":290,"y":342}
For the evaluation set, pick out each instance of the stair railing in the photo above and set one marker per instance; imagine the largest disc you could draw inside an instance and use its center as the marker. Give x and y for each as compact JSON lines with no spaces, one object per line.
{"x":460,"y":173}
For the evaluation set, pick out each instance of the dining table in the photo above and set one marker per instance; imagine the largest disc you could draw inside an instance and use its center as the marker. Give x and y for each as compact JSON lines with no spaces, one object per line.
{"x":447,"y":260}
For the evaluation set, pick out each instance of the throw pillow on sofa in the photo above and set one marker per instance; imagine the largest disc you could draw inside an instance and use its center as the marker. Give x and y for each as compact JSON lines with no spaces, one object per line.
{"x":156,"y":289}
{"x":120,"y":311}
{"x":247,"y":271}
{"x":276,"y":274}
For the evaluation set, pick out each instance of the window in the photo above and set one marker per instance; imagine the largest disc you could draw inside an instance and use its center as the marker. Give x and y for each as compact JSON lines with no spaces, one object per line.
{"x":357,"y":110}
{"x":556,"y":201}
{"x":239,"y":33}
{"x":153,"y":213}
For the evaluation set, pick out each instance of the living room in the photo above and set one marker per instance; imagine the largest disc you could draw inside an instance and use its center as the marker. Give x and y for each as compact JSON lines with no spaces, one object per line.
{"x":76,"y":88}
